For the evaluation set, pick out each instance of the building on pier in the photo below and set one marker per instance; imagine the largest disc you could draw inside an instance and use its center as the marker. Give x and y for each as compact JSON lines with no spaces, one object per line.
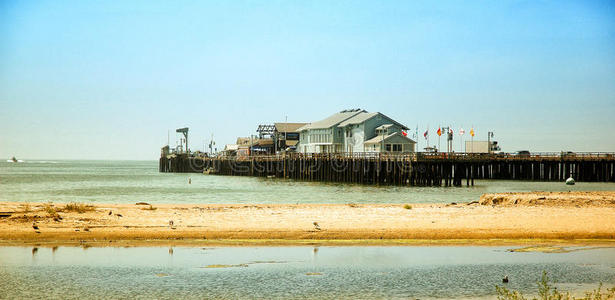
{"x":354,"y":130}
{"x":389,"y":142}
{"x":287,"y":136}
{"x":283,"y":136}
{"x":482,"y":147}
{"x":243,"y":146}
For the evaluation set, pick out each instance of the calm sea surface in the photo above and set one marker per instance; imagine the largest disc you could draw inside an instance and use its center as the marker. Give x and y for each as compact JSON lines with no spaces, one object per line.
{"x":139,"y":181}
{"x":292,"y":272}
{"x":135,"y":181}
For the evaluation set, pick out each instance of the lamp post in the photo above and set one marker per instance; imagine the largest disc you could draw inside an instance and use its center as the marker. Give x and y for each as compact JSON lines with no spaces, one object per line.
{"x":489,"y":136}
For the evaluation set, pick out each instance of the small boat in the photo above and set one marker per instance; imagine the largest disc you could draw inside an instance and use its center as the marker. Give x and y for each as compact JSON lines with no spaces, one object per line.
{"x":14,"y":160}
{"x":570,"y":181}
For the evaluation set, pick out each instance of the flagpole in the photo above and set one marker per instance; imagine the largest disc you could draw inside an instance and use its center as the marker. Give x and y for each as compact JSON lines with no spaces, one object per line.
{"x":472,"y":134}
{"x":452,"y":135}
{"x":416,"y":137}
{"x":439,"y":136}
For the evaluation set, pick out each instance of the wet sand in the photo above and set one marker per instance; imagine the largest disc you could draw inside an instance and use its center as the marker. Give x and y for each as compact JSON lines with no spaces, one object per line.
{"x":480,"y":222}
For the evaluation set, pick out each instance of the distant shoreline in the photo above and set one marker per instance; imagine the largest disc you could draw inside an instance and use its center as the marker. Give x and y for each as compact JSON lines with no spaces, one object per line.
{"x":576,"y":218}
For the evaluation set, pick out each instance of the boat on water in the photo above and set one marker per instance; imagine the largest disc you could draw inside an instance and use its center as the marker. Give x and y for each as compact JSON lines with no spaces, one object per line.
{"x":13,"y":159}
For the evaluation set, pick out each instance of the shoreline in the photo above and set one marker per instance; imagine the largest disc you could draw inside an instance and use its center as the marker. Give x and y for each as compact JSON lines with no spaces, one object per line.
{"x":88,"y":243}
{"x":567,"y":218}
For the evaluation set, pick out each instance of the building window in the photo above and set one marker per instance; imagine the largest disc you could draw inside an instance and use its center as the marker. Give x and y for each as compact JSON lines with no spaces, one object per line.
{"x":396,"y":148}
{"x":388,"y":147}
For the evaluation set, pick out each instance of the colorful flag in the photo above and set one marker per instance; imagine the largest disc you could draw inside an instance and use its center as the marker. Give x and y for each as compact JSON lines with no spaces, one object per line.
{"x":461,"y":131}
{"x":426,"y":133}
{"x":472,"y":131}
{"x":439,"y":132}
{"x":404,"y":133}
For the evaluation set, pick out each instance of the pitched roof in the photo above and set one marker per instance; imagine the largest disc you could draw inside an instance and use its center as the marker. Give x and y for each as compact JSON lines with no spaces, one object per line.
{"x":378,"y":139}
{"x":333,"y":119}
{"x":288,"y":127}
{"x":241,"y":141}
{"x":364,"y":116}
{"x":358,"y":119}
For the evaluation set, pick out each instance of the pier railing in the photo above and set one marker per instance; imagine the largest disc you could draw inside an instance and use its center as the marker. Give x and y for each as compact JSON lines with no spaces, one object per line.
{"x":419,"y":156}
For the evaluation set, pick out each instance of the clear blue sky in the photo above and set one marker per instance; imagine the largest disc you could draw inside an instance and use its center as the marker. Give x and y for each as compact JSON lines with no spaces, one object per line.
{"x":107,"y":79}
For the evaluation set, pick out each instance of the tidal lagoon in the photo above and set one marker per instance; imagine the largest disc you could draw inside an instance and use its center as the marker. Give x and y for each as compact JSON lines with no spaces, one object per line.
{"x":294,"y":272}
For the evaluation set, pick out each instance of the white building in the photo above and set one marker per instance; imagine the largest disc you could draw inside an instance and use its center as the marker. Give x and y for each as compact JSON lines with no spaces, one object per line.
{"x":354,"y":130}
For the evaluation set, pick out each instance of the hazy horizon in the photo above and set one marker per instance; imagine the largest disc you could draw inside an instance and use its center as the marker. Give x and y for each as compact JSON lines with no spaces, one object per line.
{"x":107,"y":80}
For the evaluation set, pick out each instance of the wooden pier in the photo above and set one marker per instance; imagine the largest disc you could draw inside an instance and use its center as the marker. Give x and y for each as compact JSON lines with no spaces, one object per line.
{"x":413,"y":169}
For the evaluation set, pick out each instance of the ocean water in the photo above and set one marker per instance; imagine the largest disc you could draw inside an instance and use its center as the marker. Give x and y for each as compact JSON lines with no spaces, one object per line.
{"x":293,"y":272}
{"x":140,"y":181}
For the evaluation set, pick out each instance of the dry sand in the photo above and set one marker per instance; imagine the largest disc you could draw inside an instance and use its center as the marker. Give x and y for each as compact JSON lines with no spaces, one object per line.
{"x":576,"y":199}
{"x":587,"y":218}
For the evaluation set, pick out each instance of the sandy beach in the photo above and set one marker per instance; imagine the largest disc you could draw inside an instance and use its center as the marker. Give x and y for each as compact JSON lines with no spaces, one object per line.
{"x":496,"y":218}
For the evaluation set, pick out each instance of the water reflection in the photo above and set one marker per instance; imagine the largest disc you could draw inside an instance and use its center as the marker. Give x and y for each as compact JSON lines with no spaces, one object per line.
{"x":300,"y":272}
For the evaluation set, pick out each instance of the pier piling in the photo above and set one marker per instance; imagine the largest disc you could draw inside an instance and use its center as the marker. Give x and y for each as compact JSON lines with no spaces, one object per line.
{"x":413,"y":169}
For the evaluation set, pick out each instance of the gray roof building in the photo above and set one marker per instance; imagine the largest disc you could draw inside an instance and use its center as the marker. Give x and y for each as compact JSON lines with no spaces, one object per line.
{"x":350,"y":130}
{"x":333,"y":120}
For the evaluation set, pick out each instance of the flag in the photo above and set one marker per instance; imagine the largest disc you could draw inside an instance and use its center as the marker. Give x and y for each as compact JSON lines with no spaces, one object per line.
{"x":439,"y":132}
{"x":461,"y":131}
{"x":426,"y":133}
{"x":404,"y":133}
{"x":472,"y":132}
